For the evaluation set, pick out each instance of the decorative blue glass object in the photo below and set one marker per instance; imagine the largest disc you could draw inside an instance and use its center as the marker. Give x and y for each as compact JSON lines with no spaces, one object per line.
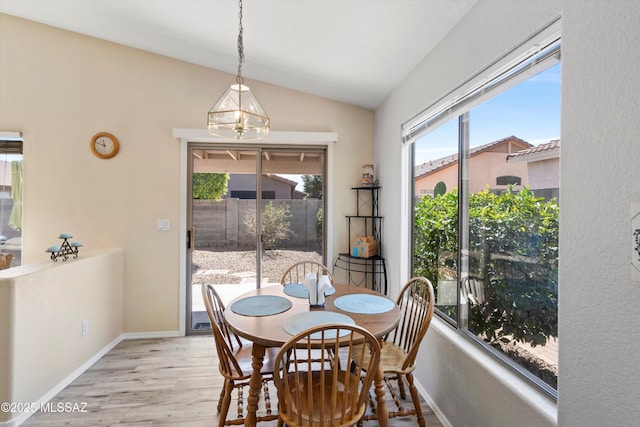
{"x":65,"y":249}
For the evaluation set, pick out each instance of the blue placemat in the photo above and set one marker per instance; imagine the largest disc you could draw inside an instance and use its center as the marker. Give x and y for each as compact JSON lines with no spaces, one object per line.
{"x":298,"y":290}
{"x":301,"y":321}
{"x":261,"y":305}
{"x":364,"y":303}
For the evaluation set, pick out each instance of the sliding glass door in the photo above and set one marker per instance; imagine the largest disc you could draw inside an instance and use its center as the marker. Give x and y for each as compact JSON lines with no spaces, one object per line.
{"x":292,"y":208}
{"x":252,"y":212}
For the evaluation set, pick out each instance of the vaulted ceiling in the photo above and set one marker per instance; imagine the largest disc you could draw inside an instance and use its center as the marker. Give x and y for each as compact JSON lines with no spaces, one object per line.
{"x":355,"y":51}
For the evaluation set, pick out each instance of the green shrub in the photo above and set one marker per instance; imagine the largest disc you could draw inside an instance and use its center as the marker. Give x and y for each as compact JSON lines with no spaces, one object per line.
{"x":513,"y":250}
{"x":319,"y":216}
{"x":210,"y":186}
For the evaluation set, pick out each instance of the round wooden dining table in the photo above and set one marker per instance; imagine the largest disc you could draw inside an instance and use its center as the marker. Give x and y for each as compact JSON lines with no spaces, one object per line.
{"x":269,"y":331}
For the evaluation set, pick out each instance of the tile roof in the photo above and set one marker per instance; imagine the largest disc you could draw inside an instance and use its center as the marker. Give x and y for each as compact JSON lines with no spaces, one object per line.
{"x":428,"y":167}
{"x":551,"y":145}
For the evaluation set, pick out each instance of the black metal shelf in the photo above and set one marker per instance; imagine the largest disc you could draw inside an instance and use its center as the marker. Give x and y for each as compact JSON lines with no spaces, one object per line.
{"x":370,"y":272}
{"x":346,"y":255}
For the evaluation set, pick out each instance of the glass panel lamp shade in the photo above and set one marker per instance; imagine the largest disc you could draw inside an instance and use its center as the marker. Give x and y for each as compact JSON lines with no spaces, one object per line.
{"x":238,"y":114}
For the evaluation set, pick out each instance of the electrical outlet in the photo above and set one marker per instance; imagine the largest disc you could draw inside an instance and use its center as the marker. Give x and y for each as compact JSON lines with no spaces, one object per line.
{"x":85,"y":327}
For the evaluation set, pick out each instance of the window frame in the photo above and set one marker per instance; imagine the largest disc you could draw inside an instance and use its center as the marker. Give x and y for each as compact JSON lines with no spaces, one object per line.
{"x":12,"y":143}
{"x":542,"y":51}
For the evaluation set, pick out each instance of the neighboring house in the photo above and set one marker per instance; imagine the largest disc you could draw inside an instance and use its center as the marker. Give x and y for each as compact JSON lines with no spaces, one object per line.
{"x":543,"y":168}
{"x":488,"y":166}
{"x":243,"y":186}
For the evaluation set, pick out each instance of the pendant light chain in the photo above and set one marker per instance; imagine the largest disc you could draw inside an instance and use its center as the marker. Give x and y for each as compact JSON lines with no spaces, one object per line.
{"x":239,"y":78}
{"x":237,"y":113}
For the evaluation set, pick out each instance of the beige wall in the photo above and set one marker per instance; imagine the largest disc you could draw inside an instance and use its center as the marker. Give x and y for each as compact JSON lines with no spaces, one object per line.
{"x":60,"y":88}
{"x":42,"y":307}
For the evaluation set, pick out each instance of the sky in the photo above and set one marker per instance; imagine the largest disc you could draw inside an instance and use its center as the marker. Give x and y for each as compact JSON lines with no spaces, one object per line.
{"x":537,"y":120}
{"x":296,"y":178}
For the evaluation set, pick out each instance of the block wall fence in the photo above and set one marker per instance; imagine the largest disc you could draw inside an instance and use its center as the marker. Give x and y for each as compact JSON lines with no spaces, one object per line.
{"x":220,"y":224}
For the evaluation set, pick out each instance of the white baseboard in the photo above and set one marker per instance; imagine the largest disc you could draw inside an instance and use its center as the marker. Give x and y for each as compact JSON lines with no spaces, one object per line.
{"x":423,"y":393}
{"x":21,"y":418}
{"x":148,"y":335}
{"x":15,"y":422}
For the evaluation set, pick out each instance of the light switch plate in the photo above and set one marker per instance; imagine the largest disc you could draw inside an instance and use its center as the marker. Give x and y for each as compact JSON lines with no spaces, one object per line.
{"x":163,"y":225}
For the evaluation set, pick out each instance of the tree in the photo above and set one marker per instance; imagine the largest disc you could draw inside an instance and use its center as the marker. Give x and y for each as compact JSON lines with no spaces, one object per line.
{"x":210,"y":186}
{"x":439,"y":189}
{"x":313,"y":186}
{"x":275,"y":224}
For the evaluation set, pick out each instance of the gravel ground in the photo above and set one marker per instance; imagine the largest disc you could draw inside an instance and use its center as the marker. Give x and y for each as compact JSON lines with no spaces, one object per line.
{"x":237,"y":266}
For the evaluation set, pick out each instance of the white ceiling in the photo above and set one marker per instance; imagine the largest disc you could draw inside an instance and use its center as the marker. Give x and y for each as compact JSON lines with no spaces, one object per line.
{"x":356,"y":51}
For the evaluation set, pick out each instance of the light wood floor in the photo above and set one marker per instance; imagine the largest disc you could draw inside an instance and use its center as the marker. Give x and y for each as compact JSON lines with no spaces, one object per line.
{"x":156,"y":382}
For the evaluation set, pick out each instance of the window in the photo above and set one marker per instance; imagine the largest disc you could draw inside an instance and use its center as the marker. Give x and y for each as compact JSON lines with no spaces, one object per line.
{"x":10,"y":199}
{"x":251,"y":195}
{"x":508,"y":180}
{"x":486,"y":234}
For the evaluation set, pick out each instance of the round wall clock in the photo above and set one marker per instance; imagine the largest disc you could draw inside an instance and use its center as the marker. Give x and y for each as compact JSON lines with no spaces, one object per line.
{"x":104,"y":145}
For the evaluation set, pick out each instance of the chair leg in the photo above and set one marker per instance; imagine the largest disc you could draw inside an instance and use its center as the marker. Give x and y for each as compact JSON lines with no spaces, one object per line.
{"x":221,"y":398}
{"x":401,"y":390}
{"x":226,"y":402}
{"x":416,"y":400}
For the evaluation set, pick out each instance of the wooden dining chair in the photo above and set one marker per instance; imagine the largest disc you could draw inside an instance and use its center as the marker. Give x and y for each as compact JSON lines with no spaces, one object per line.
{"x":5,"y":261}
{"x":297,"y":272}
{"x":400,"y":347}
{"x":316,"y":393}
{"x":234,"y":356}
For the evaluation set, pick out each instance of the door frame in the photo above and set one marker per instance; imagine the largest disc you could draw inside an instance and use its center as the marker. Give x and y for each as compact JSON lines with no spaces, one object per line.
{"x":185,"y":136}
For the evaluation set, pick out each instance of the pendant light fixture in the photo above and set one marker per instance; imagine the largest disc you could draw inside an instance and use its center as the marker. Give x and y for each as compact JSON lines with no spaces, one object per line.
{"x":238,"y":114}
